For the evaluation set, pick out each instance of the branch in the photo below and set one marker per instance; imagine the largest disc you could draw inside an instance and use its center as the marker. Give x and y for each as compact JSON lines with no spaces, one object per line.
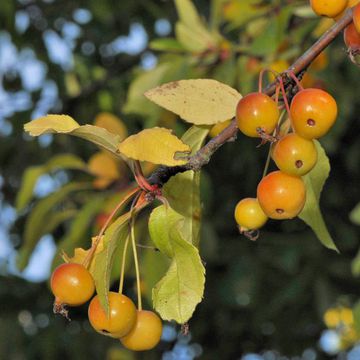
{"x":161,"y":175}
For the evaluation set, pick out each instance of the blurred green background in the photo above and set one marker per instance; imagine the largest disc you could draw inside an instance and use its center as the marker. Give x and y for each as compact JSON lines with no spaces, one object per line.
{"x":83,"y":58}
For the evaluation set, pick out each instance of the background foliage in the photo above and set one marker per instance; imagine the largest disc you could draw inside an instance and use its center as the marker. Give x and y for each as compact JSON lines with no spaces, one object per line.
{"x":82,"y":59}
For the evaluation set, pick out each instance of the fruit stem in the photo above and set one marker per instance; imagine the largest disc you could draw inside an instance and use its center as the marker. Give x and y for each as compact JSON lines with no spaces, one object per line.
{"x":267,"y":163}
{"x":140,"y":178}
{"x":90,"y":255}
{"x":123,"y":262}
{"x":294,"y":77}
{"x":137,"y":270}
{"x":283,"y":91}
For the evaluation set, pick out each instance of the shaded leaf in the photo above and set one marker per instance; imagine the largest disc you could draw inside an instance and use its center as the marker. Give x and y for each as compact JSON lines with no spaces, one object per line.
{"x":35,"y":223}
{"x":201,"y":101}
{"x":355,"y":215}
{"x":176,"y":295}
{"x":78,"y":232}
{"x":314,"y":182}
{"x":183,"y":190}
{"x":166,"y":44}
{"x":103,"y":262}
{"x":156,"y":145}
{"x":31,"y":175}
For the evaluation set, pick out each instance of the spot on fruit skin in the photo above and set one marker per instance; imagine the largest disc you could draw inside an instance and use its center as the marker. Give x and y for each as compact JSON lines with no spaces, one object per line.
{"x":299,"y":164}
{"x":311,"y":122}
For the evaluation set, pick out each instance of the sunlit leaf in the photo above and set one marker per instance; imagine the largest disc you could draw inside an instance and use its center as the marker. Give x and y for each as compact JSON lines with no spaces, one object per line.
{"x":190,"y":30}
{"x":201,"y":101}
{"x":156,"y":145}
{"x":50,"y":124}
{"x":63,"y":124}
{"x":311,"y":213}
{"x":31,"y":175}
{"x":177,"y":294}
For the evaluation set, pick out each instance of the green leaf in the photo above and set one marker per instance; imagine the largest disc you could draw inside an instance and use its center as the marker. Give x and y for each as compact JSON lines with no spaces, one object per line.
{"x":114,"y":236}
{"x":78,"y":232}
{"x":166,"y":44}
{"x":355,"y":215}
{"x":31,"y":175}
{"x":63,"y":124}
{"x":190,"y":30}
{"x":58,"y":218}
{"x":35,"y":225}
{"x":177,"y":294}
{"x":273,"y":34}
{"x":356,"y":313}
{"x":183,"y":190}
{"x":136,"y":101}
{"x":314,"y":182}
{"x":99,"y":136}
{"x":355,"y":265}
{"x":201,"y":101}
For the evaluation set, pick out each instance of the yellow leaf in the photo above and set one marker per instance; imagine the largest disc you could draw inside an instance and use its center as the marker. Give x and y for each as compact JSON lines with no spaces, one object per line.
{"x":51,"y":124}
{"x":105,"y":168}
{"x":111,"y":123}
{"x":80,"y":254}
{"x":201,"y":101}
{"x":156,"y":145}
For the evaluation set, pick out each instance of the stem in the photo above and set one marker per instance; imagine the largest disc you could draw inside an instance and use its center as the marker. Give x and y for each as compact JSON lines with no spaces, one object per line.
{"x":139,"y":177}
{"x":91,"y":253}
{"x":267,"y":163}
{"x":137,"y":270}
{"x":161,"y":175}
{"x":123,"y":261}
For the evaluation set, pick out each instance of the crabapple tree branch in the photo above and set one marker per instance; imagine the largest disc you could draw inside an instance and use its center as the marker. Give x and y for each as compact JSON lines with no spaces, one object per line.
{"x":161,"y":175}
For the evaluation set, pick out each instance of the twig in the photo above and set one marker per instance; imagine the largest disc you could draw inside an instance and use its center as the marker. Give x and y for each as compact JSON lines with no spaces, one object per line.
{"x":161,"y":175}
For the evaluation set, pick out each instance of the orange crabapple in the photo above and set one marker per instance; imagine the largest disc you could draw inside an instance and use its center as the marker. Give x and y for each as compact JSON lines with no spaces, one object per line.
{"x":121,"y":319}
{"x":281,"y":196}
{"x":249,"y":214}
{"x":71,"y":284}
{"x":256,"y":112}
{"x":295,"y":155}
{"x":351,"y":37}
{"x":313,"y":112}
{"x":146,"y":333}
{"x":329,"y":8}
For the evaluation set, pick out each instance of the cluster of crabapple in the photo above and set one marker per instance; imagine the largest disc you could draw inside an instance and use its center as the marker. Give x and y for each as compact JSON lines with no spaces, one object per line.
{"x":281,"y":194}
{"x":73,"y":285}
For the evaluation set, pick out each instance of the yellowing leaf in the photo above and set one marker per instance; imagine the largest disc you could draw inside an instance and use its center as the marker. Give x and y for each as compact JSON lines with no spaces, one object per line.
{"x":156,"y":145}
{"x":51,"y":124}
{"x":201,"y":101}
{"x":64,"y":124}
{"x":105,"y":168}
{"x":111,"y":123}
{"x":80,"y":254}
